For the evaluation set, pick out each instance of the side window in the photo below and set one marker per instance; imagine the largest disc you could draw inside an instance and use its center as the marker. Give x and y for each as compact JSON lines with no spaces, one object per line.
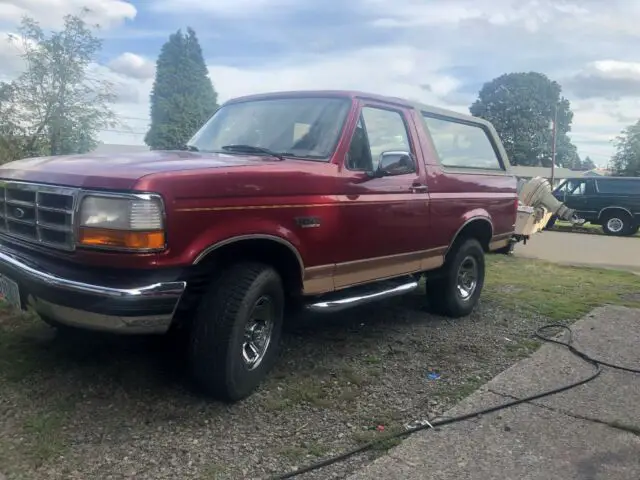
{"x":563,"y":188}
{"x":386,"y":132}
{"x":378,"y":131}
{"x":359,"y":155}
{"x":577,"y":187}
{"x":621,"y":187}
{"x":462,"y":145}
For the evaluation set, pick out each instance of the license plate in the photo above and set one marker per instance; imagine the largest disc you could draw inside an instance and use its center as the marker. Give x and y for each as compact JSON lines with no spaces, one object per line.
{"x":9,"y":291}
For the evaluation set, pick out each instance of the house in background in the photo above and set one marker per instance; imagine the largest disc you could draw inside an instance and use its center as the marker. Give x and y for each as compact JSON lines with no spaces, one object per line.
{"x":597,"y":172}
{"x":524,"y":174}
{"x":113,"y":149}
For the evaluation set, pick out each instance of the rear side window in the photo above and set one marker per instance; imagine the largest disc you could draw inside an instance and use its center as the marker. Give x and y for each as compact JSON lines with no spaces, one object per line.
{"x":462,"y":145}
{"x":620,"y":187}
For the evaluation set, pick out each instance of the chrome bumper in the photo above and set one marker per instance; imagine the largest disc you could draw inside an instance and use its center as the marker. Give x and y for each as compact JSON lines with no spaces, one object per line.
{"x":141,"y":310}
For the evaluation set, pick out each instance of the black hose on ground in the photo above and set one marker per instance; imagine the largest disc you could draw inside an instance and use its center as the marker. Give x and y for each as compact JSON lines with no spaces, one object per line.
{"x":597,"y":370}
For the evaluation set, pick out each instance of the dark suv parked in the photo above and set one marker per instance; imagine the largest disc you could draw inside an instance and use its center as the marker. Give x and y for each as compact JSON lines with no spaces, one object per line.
{"x":613,"y":202}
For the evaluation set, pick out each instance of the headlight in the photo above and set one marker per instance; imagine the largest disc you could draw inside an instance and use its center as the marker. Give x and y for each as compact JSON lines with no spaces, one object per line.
{"x":132,"y":222}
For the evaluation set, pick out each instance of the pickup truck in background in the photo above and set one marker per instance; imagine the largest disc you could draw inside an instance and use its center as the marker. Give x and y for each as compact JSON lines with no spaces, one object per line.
{"x":303,"y":200}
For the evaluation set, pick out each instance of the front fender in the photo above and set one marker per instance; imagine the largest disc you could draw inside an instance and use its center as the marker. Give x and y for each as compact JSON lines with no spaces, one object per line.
{"x":241,"y":229}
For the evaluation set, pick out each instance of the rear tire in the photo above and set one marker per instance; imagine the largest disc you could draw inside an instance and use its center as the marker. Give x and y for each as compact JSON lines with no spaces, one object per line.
{"x":634,"y":230}
{"x":617,"y":223}
{"x":455,"y":294}
{"x":236,"y":331}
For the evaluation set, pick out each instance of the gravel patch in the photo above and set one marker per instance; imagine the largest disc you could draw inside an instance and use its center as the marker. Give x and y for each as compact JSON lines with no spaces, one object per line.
{"x":91,"y":406}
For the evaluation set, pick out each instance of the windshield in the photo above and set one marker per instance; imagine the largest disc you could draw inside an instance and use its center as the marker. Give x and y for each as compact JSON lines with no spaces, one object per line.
{"x":296,"y":127}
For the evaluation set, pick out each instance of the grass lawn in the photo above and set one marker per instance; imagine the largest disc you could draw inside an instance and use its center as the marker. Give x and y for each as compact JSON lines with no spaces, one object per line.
{"x":555,"y":291}
{"x":103,"y":407}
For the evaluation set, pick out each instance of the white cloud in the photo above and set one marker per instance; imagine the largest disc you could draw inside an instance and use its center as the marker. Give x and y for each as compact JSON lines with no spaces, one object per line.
{"x":407,"y":73}
{"x":405,"y":70}
{"x":222,"y":8}
{"x":49,"y":13}
{"x":132,"y":65}
{"x":414,"y":13}
{"x":597,"y":123}
{"x":12,"y":47}
{"x":132,"y":109}
{"x":590,"y":46}
{"x":617,"y":69}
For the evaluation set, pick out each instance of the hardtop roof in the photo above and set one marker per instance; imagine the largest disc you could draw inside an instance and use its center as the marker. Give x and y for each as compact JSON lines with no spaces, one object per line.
{"x":355,"y":94}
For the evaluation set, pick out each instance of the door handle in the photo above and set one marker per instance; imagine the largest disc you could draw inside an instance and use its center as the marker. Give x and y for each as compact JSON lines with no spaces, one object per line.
{"x":418,"y":188}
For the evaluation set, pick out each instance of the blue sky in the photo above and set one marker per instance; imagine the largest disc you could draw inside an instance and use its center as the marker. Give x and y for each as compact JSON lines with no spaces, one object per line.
{"x":435,"y":51}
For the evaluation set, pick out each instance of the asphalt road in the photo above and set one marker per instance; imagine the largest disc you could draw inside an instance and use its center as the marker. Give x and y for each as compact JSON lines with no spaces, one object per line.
{"x":621,"y":253}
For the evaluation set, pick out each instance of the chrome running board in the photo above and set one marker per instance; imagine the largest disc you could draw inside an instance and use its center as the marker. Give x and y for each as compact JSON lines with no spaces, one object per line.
{"x":356,"y":296}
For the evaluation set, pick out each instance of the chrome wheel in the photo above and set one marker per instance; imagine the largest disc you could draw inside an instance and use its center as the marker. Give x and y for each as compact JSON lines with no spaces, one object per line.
{"x":615,"y":225}
{"x":467,"y":278}
{"x":257,"y":332}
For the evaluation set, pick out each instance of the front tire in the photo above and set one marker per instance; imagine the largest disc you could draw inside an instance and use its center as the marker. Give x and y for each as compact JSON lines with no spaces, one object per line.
{"x":455,"y":294}
{"x":617,"y":223}
{"x":236,"y":332}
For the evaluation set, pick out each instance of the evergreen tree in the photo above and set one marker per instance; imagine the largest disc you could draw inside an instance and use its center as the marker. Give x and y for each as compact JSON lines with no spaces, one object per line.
{"x":183,"y":98}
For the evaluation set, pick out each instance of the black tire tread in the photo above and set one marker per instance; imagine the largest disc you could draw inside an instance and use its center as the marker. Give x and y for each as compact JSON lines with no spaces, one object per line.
{"x":439,"y":297}
{"x":213,"y":329}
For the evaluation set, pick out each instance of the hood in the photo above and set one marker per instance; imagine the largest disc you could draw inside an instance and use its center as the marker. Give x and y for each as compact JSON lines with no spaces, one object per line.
{"x":119,"y":171}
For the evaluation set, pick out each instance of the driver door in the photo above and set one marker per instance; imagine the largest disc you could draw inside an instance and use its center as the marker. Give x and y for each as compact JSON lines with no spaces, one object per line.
{"x":384,"y":219}
{"x":575,"y":194}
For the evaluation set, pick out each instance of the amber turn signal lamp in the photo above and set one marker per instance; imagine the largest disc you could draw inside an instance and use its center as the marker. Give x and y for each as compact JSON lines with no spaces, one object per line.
{"x":125,"y":239}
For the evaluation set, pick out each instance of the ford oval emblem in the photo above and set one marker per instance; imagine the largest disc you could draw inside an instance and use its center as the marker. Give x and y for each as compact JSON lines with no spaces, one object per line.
{"x":19,"y":213}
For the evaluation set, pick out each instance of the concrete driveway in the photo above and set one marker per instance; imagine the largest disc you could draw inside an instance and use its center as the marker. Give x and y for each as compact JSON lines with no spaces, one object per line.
{"x":587,"y":433}
{"x":622,"y":253}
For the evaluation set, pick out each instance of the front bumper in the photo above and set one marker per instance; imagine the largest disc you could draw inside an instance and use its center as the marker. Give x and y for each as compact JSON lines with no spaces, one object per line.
{"x":95,"y":299}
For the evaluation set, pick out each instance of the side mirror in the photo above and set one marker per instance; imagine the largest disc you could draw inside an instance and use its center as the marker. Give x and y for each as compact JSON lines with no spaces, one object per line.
{"x":395,"y":163}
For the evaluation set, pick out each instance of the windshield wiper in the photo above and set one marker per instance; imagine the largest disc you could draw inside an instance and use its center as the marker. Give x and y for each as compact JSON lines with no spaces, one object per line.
{"x":253,"y":149}
{"x":191,"y":148}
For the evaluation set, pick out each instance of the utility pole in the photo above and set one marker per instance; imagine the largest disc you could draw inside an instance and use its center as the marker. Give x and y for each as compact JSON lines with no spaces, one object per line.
{"x":553,"y":144}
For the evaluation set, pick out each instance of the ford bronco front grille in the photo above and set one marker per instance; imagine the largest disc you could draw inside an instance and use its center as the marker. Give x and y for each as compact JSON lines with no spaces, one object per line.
{"x":41,"y":214}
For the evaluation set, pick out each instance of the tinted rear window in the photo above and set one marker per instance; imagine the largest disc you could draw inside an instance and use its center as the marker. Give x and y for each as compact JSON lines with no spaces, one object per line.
{"x":620,"y":187}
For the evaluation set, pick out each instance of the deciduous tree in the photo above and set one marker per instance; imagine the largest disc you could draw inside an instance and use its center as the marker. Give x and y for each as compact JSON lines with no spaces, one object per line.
{"x":626,"y":160}
{"x":588,"y":164}
{"x":522,"y":106}
{"x":58,"y":105}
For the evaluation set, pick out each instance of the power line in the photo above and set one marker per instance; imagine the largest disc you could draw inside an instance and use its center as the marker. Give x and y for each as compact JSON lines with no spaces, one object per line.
{"x":123,"y":131}
{"x":133,"y":118}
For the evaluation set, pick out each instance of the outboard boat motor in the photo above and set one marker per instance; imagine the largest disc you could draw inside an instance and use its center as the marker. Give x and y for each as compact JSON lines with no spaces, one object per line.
{"x":536,"y":207}
{"x":537,"y":192}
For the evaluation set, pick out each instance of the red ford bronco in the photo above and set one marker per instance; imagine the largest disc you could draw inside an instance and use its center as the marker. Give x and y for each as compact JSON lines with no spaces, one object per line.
{"x":313,"y":200}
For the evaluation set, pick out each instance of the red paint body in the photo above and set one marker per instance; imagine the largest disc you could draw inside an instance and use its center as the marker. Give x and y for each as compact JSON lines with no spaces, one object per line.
{"x":385,"y":216}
